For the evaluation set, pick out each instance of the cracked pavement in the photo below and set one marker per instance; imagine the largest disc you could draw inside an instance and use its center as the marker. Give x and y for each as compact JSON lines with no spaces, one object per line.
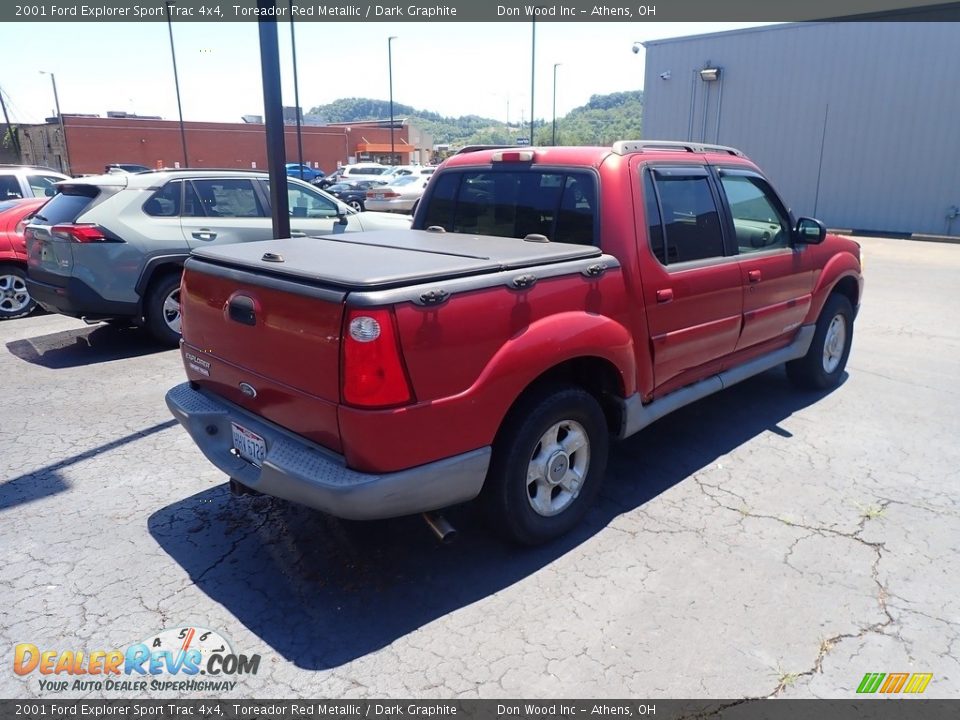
{"x":762,"y":542}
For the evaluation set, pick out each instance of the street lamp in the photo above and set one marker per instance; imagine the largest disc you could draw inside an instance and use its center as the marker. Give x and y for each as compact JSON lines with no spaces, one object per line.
{"x":296,"y":93}
{"x":533,"y":67}
{"x":63,"y":132}
{"x":176,"y":82}
{"x":555,"y":66}
{"x":390,"y":69}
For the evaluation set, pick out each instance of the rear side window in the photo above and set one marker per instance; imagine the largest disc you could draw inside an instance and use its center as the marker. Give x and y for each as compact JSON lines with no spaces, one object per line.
{"x":165,"y":202}
{"x":228,"y":198}
{"x":67,"y":205}
{"x":690,"y":221}
{"x":560,"y":205}
{"x":10,"y":187}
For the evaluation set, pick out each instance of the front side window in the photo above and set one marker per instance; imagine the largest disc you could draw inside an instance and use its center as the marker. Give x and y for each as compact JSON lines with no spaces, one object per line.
{"x":305,"y":203}
{"x":690,"y":222}
{"x":234,"y":197}
{"x":562,"y":206}
{"x":757,"y":221}
{"x":43,"y":185}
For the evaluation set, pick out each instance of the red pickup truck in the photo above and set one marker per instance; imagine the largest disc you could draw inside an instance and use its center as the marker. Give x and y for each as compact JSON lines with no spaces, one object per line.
{"x":547,"y":301}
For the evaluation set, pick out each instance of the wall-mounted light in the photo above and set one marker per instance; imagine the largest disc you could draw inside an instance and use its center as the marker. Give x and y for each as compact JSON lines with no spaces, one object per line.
{"x":710,"y":74}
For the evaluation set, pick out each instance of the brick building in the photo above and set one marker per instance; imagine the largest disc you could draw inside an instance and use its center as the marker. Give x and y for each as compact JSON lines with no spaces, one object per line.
{"x":92,"y":142}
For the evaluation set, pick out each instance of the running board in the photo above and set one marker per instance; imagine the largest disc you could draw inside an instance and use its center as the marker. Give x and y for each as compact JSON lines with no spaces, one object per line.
{"x":636,"y":416}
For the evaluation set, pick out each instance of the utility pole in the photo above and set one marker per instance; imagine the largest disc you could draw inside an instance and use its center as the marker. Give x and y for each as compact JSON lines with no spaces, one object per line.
{"x":296,"y":93}
{"x":10,"y":129}
{"x":533,"y":67}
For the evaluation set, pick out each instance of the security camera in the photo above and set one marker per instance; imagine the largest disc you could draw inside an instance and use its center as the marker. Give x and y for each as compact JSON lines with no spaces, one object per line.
{"x":636,"y":48}
{"x":665,"y":75}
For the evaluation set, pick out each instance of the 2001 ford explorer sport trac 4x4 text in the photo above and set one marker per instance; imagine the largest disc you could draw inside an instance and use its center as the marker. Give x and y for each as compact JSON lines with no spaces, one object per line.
{"x":546,"y":301}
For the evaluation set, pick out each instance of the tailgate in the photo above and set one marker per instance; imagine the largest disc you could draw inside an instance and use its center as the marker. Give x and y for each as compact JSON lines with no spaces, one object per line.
{"x":268,"y":344}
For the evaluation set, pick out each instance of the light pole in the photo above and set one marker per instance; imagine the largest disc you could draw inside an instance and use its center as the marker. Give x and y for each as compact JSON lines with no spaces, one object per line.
{"x":296,"y":93}
{"x":390,"y":70}
{"x":176,"y":82}
{"x":63,"y":132}
{"x":533,"y":67}
{"x":555,"y":66}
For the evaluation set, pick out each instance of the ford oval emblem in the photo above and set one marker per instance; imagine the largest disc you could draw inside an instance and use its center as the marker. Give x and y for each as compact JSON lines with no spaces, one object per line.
{"x":249,"y":390}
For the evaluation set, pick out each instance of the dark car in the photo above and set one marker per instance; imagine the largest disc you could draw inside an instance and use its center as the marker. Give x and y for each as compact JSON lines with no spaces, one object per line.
{"x":354,"y":192}
{"x":125,"y":168}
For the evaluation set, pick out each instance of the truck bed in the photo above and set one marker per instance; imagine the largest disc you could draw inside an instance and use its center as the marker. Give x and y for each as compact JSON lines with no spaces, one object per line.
{"x":390,"y":258}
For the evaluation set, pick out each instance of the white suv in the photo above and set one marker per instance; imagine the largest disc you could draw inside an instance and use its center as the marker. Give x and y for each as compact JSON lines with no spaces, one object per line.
{"x":111,"y":247}
{"x":23,"y":181}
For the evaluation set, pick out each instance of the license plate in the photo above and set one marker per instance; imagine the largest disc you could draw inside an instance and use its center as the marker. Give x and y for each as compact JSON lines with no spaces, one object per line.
{"x":379,"y":196}
{"x":250,"y":446}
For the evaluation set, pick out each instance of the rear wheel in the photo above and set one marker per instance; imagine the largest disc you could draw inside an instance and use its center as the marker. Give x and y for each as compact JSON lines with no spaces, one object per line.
{"x":15,"y":300}
{"x":356,"y":205}
{"x":163,"y":309}
{"x":548,"y":464}
{"x":823,"y":365}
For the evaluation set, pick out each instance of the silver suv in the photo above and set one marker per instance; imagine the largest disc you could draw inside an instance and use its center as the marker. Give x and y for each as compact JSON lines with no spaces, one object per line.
{"x":112,"y":247}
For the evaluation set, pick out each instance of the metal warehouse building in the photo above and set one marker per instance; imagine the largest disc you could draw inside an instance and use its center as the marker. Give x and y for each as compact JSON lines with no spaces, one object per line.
{"x":857,"y":124}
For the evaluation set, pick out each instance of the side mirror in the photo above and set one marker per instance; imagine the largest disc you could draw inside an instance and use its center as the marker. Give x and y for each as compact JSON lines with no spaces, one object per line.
{"x":342,"y":212}
{"x":809,"y":231}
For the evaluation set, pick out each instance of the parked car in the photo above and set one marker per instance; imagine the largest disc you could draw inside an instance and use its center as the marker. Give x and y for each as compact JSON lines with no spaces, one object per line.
{"x":401,"y":195}
{"x":15,"y":300}
{"x":401,"y":170}
{"x":304,"y":172}
{"x":113,"y":246}
{"x":125,"y":168}
{"x":354,"y":192}
{"x":561,"y":298}
{"x":363,"y":171}
{"x":24,"y":181}
{"x":333,"y":178}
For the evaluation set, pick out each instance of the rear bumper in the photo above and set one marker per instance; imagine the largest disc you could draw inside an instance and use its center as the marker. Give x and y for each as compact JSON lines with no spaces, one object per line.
{"x":298,"y":470}
{"x":77,"y":299}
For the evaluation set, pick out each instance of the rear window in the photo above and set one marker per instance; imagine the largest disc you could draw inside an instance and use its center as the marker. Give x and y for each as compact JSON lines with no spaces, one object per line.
{"x":559,"y":205}
{"x":67,"y":206}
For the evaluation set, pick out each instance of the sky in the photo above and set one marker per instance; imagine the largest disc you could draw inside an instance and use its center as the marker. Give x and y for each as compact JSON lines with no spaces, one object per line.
{"x":450,"y":68}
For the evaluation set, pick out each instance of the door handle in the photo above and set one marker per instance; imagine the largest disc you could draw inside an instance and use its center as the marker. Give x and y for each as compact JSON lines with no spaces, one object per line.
{"x":754,"y":276}
{"x":665,"y":296}
{"x":204,"y":234}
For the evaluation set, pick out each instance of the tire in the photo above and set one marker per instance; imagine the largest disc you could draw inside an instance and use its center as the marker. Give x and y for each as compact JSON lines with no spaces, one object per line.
{"x":356,"y":205}
{"x":163,"y":309}
{"x":15,"y":300}
{"x":534,"y":491}
{"x":823,"y":365}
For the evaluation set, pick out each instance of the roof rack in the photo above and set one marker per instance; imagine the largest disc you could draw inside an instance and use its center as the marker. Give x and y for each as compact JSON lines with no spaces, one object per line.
{"x":623,"y":147}
{"x":477,"y":148}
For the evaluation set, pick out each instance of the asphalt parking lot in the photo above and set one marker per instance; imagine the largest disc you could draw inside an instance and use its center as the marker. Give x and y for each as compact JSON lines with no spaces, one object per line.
{"x":761,"y":542}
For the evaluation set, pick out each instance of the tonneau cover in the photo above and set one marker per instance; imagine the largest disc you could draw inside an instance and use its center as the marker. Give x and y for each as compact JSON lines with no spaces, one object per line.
{"x":391,"y":258}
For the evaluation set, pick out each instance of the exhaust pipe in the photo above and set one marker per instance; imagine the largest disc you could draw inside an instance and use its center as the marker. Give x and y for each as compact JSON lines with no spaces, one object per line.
{"x":440,"y":527}
{"x":237,"y":489}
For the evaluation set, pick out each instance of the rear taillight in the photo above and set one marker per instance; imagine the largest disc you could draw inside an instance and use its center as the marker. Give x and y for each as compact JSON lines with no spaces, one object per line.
{"x":82,"y":233}
{"x":373,"y":374}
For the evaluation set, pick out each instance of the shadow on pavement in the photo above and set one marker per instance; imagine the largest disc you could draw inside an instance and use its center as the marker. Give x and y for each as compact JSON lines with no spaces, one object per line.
{"x":48,"y":480}
{"x":85,"y":346}
{"x":322,"y":591}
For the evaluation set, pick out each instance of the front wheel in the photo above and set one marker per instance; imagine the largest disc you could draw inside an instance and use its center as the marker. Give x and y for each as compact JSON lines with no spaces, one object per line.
{"x":823,"y":365}
{"x":163,"y":309}
{"x":356,"y":205}
{"x":548,"y":464}
{"x":15,"y":300}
